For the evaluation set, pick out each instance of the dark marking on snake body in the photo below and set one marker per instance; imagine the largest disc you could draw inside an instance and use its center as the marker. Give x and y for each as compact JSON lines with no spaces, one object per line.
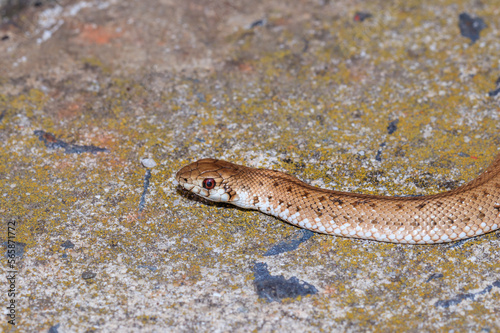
{"x":439,"y":203}
{"x":337,"y":201}
{"x":289,"y":189}
{"x":255,"y":200}
{"x":422,"y":205}
{"x":481,"y":215}
{"x":359,"y":202}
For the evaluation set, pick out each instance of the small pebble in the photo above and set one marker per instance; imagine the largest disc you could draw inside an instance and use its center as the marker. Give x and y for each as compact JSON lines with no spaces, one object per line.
{"x":148,"y":163}
{"x":88,"y":275}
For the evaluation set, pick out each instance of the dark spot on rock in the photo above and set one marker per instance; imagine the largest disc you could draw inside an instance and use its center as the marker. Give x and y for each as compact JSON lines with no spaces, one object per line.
{"x":393,"y":126}
{"x":434,"y":276}
{"x":18,"y":248}
{"x":494,"y":92}
{"x":257,"y":23}
{"x":54,"y":329}
{"x":470,"y":27}
{"x":68,"y":244}
{"x":289,"y":245}
{"x":468,"y":296}
{"x":275,"y":288}
{"x":52,"y":142}
{"x":361,"y":16}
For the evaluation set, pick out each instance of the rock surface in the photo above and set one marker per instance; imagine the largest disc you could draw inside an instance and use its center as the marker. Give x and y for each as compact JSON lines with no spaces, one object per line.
{"x":395,"y":103}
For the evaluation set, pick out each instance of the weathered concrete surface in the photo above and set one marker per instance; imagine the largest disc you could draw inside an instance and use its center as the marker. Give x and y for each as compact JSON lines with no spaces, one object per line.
{"x":308,"y":90}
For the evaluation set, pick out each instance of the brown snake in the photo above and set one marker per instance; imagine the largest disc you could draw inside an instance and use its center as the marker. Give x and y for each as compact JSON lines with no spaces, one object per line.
{"x":469,"y":210}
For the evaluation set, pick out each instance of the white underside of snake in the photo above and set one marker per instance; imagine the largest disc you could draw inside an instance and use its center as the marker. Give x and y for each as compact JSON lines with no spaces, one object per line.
{"x":467,"y":211}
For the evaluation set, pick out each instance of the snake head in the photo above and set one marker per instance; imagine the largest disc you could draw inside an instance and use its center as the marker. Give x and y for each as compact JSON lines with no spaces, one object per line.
{"x":209,"y":178}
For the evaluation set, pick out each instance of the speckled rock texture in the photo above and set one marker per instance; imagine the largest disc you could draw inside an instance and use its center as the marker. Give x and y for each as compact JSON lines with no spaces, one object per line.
{"x":101,"y":102}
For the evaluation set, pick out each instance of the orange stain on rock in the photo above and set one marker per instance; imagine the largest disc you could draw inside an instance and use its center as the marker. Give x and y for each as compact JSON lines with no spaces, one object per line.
{"x":245,"y":67}
{"x":98,"y":34}
{"x":69,"y":110}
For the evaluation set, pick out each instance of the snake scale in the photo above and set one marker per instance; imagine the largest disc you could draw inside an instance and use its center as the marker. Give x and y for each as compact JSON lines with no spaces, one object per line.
{"x":469,"y":210}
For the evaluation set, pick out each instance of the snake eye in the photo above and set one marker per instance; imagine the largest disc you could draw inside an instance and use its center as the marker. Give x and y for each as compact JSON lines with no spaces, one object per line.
{"x":209,"y":183}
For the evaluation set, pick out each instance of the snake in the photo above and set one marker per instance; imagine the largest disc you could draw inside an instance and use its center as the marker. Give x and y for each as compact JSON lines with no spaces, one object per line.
{"x":467,"y":211}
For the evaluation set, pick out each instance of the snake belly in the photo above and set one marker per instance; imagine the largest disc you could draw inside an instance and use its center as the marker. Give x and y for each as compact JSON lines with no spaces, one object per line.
{"x":469,"y":210}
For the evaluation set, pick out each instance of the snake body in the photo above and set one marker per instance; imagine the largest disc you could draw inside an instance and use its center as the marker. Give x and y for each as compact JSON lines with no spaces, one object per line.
{"x":469,"y":210}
